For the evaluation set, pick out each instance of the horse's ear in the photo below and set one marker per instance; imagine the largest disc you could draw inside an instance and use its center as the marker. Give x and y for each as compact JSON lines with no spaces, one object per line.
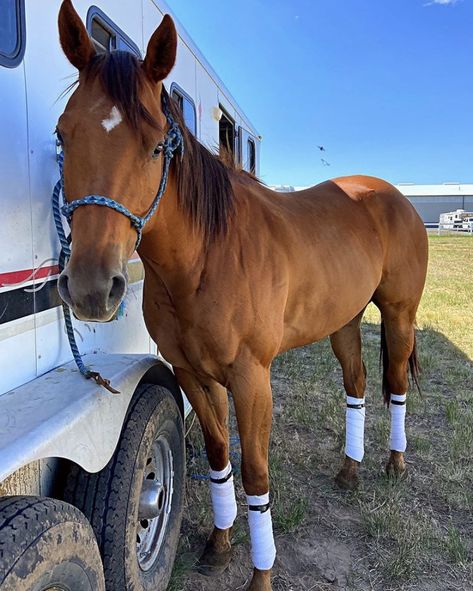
{"x":161,"y":51}
{"x":75,"y":40}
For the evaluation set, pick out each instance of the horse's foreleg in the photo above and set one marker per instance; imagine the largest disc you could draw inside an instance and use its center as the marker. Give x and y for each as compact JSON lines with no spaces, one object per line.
{"x":251,"y":391}
{"x":346,"y":344}
{"x":210,"y":402}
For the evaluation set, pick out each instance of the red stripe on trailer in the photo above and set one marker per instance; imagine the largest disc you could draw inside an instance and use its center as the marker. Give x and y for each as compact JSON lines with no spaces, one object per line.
{"x":14,"y":277}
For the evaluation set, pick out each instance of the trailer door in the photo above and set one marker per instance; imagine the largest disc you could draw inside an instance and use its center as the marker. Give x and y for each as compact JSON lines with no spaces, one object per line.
{"x":17,"y":344}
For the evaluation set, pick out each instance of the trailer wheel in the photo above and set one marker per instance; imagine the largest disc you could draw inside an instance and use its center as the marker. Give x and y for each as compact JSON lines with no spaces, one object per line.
{"x":135,"y":503}
{"x":47,"y":545}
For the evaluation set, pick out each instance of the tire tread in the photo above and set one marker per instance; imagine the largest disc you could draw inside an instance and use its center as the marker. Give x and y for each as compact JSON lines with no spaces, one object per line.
{"x":23,"y":519}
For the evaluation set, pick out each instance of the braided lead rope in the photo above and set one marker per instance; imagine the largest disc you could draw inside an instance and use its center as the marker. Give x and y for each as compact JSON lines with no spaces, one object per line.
{"x":64,"y":254}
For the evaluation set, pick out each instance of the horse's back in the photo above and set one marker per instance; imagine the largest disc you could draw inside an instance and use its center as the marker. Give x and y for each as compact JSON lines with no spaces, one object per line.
{"x":349,"y":205}
{"x":360,"y":187}
{"x":383,"y":199}
{"x":368,"y":205}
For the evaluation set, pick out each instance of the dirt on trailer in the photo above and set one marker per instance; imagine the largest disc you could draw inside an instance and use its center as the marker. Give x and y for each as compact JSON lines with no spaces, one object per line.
{"x":415,"y":534}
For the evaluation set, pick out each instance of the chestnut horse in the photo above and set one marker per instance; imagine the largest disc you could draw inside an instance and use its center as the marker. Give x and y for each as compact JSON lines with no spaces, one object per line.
{"x":234,"y":273}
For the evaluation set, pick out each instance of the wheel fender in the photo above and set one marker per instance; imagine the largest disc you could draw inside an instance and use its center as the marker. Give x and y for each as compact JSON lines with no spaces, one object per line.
{"x":161,"y":374}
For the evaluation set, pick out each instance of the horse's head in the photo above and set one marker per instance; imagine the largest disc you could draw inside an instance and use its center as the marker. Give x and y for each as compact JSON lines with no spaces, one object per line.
{"x":112,"y":132}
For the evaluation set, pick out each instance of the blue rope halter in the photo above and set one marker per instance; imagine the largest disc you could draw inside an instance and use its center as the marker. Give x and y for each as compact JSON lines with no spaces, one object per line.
{"x":173,"y":142}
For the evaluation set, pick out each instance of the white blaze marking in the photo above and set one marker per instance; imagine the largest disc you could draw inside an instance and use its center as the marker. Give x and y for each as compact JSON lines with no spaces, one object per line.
{"x":113,"y":120}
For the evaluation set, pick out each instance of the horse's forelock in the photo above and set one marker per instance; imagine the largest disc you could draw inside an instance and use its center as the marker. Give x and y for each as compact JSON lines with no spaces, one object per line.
{"x":122,"y":79}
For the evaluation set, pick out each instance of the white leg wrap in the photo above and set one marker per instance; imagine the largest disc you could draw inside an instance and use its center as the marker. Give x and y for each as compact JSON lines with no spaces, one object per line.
{"x":398,"y":441}
{"x":222,"y":492}
{"x":263,"y":550}
{"x":355,"y":428}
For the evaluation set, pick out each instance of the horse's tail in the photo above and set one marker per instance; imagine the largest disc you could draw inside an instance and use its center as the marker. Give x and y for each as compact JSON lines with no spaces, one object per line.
{"x":414,"y":365}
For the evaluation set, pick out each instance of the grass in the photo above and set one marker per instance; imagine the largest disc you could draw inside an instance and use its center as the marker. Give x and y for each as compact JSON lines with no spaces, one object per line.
{"x":392,"y":536}
{"x":456,"y":547}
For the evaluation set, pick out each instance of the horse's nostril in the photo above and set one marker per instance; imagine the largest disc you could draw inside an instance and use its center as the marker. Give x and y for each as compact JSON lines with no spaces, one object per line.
{"x":118,"y":289}
{"x":63,"y":288}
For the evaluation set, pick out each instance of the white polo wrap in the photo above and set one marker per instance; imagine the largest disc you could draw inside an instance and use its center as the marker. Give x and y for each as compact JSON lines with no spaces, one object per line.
{"x":263,"y":550}
{"x":222,"y":491}
{"x":398,"y":441}
{"x":355,"y":428}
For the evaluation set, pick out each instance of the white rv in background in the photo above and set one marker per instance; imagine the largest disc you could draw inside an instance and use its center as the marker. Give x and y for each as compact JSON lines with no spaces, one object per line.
{"x":456,"y":220}
{"x":117,"y":459}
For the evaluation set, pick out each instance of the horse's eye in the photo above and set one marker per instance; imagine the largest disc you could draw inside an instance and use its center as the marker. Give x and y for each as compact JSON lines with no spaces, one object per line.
{"x":158,"y":149}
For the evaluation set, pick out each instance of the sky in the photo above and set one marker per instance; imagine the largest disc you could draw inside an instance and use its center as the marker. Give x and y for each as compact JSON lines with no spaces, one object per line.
{"x":384,"y":86}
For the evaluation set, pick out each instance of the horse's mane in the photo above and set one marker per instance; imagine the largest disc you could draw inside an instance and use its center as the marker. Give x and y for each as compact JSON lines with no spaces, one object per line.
{"x":203,"y":179}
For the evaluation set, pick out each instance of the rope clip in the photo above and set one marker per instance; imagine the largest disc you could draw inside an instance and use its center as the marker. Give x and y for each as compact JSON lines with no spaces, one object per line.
{"x":98,"y":379}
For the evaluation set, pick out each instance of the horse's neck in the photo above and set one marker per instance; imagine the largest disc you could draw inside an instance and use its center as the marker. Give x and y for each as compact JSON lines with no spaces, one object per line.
{"x":172,"y":248}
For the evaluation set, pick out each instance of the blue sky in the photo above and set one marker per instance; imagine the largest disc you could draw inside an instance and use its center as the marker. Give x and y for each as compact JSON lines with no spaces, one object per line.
{"x":386,"y":86}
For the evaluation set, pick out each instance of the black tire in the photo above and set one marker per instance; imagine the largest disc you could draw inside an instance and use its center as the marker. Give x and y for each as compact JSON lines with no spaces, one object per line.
{"x":111,"y":498}
{"x":47,"y":544}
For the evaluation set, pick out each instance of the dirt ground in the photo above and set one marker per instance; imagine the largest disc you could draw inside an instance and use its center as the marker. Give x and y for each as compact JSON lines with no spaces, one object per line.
{"x":389,"y":535}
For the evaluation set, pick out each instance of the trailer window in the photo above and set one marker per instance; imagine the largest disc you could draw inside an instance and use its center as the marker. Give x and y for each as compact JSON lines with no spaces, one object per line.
{"x":186,"y":106}
{"x":12,"y":32}
{"x":102,"y":37}
{"x":105,"y":34}
{"x":251,"y":156}
{"x":227,"y":134}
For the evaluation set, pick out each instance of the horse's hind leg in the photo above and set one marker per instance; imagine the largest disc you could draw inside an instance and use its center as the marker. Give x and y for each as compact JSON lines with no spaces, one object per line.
{"x":399,"y":352}
{"x":210,"y":402}
{"x":346,"y":344}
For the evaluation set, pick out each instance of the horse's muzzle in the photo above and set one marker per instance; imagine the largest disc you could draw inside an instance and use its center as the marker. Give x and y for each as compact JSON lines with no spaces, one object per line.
{"x":92,"y":299}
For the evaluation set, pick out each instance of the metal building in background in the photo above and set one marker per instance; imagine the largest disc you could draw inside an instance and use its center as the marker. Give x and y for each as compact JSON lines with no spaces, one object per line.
{"x":431,"y":201}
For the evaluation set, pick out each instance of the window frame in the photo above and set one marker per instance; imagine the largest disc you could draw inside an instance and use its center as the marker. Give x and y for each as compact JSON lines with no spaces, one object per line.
{"x":230,"y":119}
{"x":238,"y":145}
{"x":14,"y":59}
{"x":106,"y":22}
{"x":251,"y":142}
{"x":185,"y":96}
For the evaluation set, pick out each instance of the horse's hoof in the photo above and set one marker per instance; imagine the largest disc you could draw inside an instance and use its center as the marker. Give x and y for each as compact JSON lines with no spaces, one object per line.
{"x":261,"y":581}
{"x":347,"y":480}
{"x":396,"y":471}
{"x":259,"y":587}
{"x":213,"y":563}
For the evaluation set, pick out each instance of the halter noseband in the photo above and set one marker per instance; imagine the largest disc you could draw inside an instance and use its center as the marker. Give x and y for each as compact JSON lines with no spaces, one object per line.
{"x":172,"y":142}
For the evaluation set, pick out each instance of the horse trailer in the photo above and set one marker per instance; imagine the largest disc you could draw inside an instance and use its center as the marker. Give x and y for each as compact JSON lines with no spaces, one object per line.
{"x":74,"y":457}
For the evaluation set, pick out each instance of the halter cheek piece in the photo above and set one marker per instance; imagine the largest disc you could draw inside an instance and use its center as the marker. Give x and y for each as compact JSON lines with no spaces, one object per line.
{"x":172,"y":143}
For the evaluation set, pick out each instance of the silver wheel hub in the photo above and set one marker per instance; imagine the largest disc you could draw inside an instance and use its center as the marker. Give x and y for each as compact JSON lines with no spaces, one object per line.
{"x":155,"y":503}
{"x":152,"y":499}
